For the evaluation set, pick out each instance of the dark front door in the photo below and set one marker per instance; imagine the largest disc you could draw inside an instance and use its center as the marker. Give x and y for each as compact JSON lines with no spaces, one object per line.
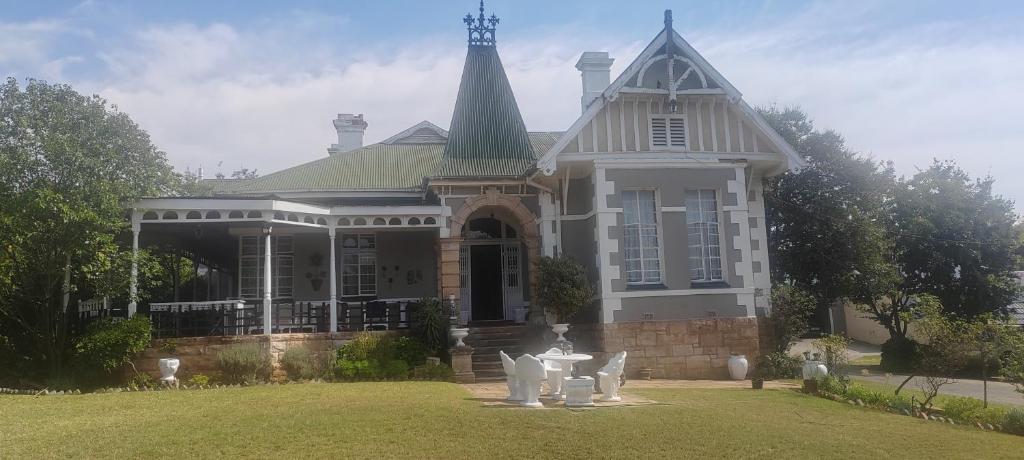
{"x":485,"y":261}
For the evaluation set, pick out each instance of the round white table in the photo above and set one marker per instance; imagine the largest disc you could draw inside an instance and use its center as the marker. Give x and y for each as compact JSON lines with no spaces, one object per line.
{"x":566,"y":361}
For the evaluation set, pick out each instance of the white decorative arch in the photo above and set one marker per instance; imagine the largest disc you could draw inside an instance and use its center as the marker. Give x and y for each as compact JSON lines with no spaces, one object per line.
{"x":675,"y":85}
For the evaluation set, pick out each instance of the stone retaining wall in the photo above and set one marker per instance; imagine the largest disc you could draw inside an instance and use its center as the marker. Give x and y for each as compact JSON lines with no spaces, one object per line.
{"x":198,"y":355}
{"x":684,"y":349}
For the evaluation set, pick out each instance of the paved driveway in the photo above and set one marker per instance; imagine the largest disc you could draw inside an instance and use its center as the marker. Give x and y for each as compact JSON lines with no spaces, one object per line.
{"x":998,"y":392}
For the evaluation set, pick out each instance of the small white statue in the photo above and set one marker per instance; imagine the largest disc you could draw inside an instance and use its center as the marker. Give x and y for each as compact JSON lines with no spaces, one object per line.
{"x":554,"y":370}
{"x":531,"y":374}
{"x":609,"y":377}
{"x":168,"y":367}
{"x":510,"y":377}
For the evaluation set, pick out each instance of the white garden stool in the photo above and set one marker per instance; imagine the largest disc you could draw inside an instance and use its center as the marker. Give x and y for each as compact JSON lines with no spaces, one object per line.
{"x":579,"y":392}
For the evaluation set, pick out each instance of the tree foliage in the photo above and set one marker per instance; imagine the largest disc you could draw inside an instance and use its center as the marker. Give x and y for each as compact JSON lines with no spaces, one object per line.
{"x":70,"y":166}
{"x":790,"y":316}
{"x":562,"y":286}
{"x":827,"y":221}
{"x":846,"y":228}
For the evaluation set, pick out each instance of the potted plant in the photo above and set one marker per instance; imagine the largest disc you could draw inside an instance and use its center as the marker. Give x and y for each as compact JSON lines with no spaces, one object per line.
{"x":562,"y":289}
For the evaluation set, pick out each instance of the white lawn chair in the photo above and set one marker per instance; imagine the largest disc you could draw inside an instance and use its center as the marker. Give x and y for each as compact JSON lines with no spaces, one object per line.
{"x":510,"y":377}
{"x":554,"y":371}
{"x":608,"y":377}
{"x":530,"y":373}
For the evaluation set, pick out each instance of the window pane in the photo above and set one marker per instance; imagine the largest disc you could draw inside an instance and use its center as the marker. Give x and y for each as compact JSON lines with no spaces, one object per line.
{"x":703,"y":234}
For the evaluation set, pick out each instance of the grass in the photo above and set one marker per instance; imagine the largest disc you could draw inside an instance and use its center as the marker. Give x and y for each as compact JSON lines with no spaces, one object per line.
{"x":868,"y":360}
{"x":438,"y":420}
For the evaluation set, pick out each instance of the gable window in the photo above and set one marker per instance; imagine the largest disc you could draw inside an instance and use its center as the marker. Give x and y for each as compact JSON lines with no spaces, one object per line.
{"x":640,"y":233}
{"x":359,"y":264}
{"x":251,"y":263}
{"x":702,"y":226}
{"x":668,"y":131}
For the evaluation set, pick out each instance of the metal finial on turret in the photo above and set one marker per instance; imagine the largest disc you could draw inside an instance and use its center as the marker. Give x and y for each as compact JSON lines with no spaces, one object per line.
{"x":668,"y":19}
{"x":481,"y":29}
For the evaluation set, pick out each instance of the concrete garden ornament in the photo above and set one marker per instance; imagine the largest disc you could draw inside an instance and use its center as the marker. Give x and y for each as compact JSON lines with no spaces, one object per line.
{"x":168,"y":367}
{"x":554,"y":371}
{"x":609,"y":377}
{"x":530,"y":373}
{"x":459,"y":333}
{"x":510,"y":377}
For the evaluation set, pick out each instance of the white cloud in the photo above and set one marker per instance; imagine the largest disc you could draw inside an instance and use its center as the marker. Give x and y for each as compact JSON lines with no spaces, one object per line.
{"x":265,"y":97}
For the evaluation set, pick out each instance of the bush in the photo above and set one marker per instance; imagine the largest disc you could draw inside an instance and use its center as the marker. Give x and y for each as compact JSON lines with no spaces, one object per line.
{"x":777,"y":365}
{"x":199,"y":380}
{"x":141,"y":380}
{"x":108,"y":345}
{"x":899,"y":355}
{"x":244,"y":363}
{"x":299,"y":363}
{"x":430,"y":325}
{"x":410,"y":350}
{"x":1014,"y":422}
{"x":434,"y":371}
{"x":833,"y":350}
{"x":790,"y":316}
{"x":970,"y":410}
{"x":562,"y":286}
{"x":373,"y":357}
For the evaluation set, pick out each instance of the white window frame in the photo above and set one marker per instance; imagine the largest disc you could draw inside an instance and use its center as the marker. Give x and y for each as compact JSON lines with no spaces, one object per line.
{"x":660,"y":238}
{"x":282,"y":284}
{"x":668,"y":117}
{"x":361,"y":254}
{"x":705,"y":248}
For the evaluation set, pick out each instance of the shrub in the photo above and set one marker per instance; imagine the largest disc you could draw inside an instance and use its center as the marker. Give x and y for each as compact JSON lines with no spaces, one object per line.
{"x":777,"y":365}
{"x":833,"y":349}
{"x":1014,"y":422}
{"x":299,"y":363}
{"x":899,"y":354}
{"x":373,"y":357}
{"x":434,"y":371}
{"x":109,"y":345}
{"x":199,"y":380}
{"x":410,"y":350}
{"x":141,"y":380}
{"x":562,"y":286}
{"x":791,"y":312}
{"x":970,"y":410}
{"x":430,"y":325}
{"x":244,"y":363}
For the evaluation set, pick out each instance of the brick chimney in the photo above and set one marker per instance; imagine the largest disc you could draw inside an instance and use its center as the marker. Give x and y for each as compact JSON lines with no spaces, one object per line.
{"x":350,"y":133}
{"x":595,"y":69}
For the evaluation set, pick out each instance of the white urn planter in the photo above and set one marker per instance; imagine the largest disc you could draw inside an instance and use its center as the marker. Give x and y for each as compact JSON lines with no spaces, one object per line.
{"x":560,"y":329}
{"x":738,"y":366}
{"x":459,"y":333}
{"x":169,"y":367}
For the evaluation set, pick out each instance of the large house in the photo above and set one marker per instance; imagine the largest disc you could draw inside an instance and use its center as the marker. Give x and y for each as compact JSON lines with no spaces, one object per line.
{"x":656,"y":188}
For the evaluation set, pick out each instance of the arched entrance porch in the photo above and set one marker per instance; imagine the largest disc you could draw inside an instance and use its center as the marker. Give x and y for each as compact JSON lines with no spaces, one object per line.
{"x":487,"y":262}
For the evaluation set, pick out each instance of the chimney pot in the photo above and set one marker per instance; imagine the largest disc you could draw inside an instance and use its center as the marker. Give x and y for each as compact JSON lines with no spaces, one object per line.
{"x":350,"y":133}
{"x":595,"y":70}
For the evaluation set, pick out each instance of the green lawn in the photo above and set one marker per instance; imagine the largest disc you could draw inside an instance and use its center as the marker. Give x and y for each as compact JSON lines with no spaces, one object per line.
{"x":438,"y":420}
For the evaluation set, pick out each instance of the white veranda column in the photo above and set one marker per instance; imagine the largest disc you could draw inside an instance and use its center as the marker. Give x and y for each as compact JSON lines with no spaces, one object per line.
{"x":334,"y":285}
{"x":133,"y":284}
{"x":267,"y":284}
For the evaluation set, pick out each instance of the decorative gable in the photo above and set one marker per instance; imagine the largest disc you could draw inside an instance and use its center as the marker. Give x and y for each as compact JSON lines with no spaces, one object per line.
{"x":423,"y":132}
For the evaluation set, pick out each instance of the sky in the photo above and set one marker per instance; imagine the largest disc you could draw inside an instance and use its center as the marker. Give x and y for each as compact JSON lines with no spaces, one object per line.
{"x":255,"y":84}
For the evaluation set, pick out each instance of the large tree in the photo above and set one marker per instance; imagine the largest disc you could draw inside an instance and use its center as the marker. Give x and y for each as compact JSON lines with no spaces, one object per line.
{"x":955,"y":240}
{"x":827,"y":221}
{"x":70,"y":166}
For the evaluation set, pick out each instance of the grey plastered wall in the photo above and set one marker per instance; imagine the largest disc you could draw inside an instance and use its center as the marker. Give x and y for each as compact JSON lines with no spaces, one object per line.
{"x":412,"y":252}
{"x":672,"y":185}
{"x":578,"y":243}
{"x":310,"y":248}
{"x":680,"y":307}
{"x":580,"y":199}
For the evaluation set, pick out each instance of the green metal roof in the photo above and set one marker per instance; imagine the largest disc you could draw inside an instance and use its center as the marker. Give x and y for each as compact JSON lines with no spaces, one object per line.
{"x":487,"y":135}
{"x":394,"y":167}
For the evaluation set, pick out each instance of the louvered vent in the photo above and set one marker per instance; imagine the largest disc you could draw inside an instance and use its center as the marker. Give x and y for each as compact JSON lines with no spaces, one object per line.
{"x":659,"y":132}
{"x":668,"y":132}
